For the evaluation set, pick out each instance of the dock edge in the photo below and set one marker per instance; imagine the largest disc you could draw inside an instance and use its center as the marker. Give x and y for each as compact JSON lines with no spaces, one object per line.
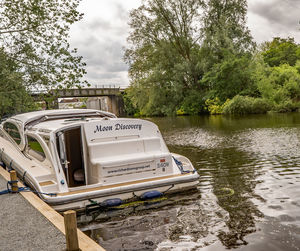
{"x":85,"y":243}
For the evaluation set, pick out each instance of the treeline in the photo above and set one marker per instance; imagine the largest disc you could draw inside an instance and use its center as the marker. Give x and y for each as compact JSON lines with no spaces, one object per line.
{"x":192,"y":56}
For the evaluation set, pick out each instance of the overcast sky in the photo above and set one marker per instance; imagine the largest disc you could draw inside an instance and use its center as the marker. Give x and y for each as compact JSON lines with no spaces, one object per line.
{"x":101,"y":36}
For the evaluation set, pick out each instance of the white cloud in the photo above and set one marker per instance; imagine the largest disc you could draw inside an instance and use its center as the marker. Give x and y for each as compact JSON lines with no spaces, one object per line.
{"x":100,"y":38}
{"x":273,"y":18}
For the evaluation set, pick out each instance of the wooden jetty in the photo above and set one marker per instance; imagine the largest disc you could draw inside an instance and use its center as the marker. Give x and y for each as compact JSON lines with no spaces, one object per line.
{"x":29,"y":223}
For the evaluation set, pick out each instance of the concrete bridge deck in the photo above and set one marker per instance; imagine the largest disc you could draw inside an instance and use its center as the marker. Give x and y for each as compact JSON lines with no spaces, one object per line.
{"x":83,"y":92}
{"x":96,"y":91}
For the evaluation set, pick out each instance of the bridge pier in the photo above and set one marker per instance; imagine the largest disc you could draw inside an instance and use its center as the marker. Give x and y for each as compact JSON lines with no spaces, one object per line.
{"x":113,"y":104}
{"x":53,"y":104}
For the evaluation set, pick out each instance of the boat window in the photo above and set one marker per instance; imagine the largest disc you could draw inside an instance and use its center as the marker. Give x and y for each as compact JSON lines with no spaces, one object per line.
{"x":46,"y":139}
{"x":13,"y":131}
{"x":34,"y":149}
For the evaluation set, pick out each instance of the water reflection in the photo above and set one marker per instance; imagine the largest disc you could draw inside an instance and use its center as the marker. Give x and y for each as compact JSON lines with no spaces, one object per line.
{"x":248,"y":196}
{"x":233,"y":183}
{"x":241,"y":178}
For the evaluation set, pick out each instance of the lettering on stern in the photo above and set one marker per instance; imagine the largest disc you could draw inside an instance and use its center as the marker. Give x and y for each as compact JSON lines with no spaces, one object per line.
{"x":100,"y":128}
{"x":118,"y":127}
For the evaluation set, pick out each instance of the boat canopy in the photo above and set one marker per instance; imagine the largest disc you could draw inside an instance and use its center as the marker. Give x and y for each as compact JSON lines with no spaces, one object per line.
{"x":32,"y":118}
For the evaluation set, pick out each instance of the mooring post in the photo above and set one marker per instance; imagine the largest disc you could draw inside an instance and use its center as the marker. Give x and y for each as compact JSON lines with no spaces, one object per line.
{"x":71,"y":230}
{"x":14,"y":181}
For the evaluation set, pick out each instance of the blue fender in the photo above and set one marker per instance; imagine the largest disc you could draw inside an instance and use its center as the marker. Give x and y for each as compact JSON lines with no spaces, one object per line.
{"x":151,"y":195}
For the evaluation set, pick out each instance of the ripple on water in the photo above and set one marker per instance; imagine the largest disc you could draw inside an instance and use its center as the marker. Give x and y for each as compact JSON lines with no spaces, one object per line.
{"x":193,"y":224}
{"x":262,"y":164}
{"x":276,"y":143}
{"x":197,"y":225}
{"x":195,"y":137}
{"x":277,"y":150}
{"x":262,"y":168}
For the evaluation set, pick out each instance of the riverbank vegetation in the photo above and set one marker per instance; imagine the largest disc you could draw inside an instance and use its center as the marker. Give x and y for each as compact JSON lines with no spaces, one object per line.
{"x":193,"y":56}
{"x":34,"y":52}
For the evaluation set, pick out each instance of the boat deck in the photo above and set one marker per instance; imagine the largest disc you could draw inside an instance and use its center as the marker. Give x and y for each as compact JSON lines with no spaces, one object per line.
{"x":84,"y":190}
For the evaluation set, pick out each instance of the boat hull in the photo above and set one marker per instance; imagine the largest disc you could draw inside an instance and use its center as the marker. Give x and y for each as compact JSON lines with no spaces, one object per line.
{"x":81,"y":199}
{"x":74,"y":159}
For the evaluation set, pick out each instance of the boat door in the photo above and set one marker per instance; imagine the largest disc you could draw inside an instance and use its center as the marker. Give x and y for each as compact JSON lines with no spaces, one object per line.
{"x":69,"y":146}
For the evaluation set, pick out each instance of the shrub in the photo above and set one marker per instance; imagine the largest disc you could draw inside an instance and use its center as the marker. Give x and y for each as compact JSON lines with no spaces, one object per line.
{"x":279,"y":84}
{"x":180,"y":112}
{"x":215,"y":106}
{"x":130,"y":108}
{"x":246,"y":105}
{"x":193,"y":103}
{"x":286,"y":106}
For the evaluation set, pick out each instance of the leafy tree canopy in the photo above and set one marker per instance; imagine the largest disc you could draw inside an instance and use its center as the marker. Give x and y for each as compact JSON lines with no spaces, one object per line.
{"x":13,"y":95}
{"x":167,"y":32}
{"x":173,"y":43}
{"x":164,"y":53}
{"x":231,"y":77}
{"x":33,"y":33}
{"x":281,"y":51}
{"x":225,"y":30}
{"x":280,"y":83}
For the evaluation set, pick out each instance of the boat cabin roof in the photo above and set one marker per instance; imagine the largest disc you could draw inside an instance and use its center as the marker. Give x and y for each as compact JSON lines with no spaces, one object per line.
{"x":34,"y":118}
{"x":53,"y":125}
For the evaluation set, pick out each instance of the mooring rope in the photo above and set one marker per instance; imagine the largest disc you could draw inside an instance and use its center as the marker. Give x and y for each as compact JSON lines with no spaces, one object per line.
{"x":10,"y":166}
{"x":23,"y":177}
{"x":22,"y":189}
{"x":180,"y":166}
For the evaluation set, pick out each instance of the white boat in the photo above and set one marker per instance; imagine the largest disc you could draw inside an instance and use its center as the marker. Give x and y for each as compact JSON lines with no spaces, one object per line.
{"x":77,"y":158}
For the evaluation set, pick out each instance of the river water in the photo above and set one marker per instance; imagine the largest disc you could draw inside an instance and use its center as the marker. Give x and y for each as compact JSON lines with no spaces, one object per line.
{"x":248,"y":197}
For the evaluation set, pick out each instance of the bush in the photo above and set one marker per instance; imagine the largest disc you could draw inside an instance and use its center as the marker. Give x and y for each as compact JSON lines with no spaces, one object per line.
{"x":286,"y":106}
{"x":130,"y":108}
{"x":215,"y":106}
{"x":193,"y":103}
{"x":246,"y":105}
{"x":279,"y":84}
{"x":181,"y":112}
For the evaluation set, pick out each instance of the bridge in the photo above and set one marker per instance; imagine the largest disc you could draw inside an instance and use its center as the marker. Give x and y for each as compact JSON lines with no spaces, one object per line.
{"x":96,"y":91}
{"x":111,"y":97}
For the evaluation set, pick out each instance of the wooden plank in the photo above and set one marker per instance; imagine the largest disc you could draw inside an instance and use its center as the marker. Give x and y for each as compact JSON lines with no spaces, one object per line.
{"x":119,"y":184}
{"x":46,"y":183}
{"x":85,"y":243}
{"x":4,"y":174}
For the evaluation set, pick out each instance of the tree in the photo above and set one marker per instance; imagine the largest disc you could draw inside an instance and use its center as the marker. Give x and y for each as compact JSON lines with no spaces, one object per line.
{"x":231,"y":77}
{"x":225,"y":30}
{"x":281,"y":51}
{"x":174,"y":43}
{"x":13,"y":95}
{"x":33,"y":33}
{"x":279,"y":84}
{"x":164,"y":53}
{"x":228,"y":46}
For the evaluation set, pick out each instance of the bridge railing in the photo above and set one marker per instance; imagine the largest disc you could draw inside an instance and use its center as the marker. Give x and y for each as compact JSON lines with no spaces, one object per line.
{"x":37,"y":92}
{"x":104,"y":86}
